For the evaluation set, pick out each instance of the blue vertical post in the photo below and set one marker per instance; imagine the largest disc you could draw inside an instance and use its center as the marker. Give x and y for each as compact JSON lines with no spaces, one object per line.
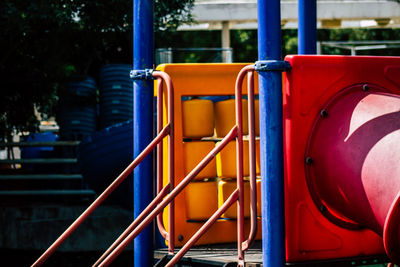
{"x":307,"y":27}
{"x":270,"y":85}
{"x":143,"y":46}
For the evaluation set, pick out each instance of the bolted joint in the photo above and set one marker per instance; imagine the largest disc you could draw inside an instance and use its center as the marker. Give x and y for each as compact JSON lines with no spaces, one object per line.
{"x":272,"y":65}
{"x":365,"y":87}
{"x":309,"y":160}
{"x":146,"y":74}
{"x":322,"y":208}
{"x":323,"y":113}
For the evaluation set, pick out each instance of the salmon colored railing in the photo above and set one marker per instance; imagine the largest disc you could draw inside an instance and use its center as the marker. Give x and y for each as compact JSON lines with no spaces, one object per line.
{"x":166,"y":131}
{"x":167,"y":194}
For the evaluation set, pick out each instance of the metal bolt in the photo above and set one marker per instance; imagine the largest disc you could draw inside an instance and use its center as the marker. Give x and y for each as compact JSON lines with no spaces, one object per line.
{"x":309,"y":161}
{"x":365,"y":87}
{"x":324,"y":113}
{"x":322,"y":208}
{"x":180,"y":238}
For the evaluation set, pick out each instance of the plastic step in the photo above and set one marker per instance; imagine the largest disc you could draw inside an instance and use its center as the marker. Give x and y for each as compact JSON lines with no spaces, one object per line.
{"x":41,"y":177}
{"x":81,"y":192}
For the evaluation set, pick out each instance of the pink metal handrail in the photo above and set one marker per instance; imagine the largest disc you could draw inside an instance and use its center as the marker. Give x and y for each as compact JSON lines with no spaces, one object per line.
{"x":237,"y":195}
{"x":166,"y":131}
{"x":252,"y":151}
{"x":171,"y":155}
{"x":160,"y":223}
{"x":167,"y":194}
{"x":161,"y":191}
{"x":170,"y":197}
{"x":244,"y":245}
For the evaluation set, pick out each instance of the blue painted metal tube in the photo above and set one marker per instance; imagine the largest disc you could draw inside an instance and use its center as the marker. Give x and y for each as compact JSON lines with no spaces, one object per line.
{"x":143,"y":46}
{"x":271,"y":134}
{"x":307,"y":29}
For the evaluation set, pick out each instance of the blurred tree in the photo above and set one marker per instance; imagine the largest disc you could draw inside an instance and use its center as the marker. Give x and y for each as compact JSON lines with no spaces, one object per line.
{"x":46,"y":43}
{"x":359,"y":35}
{"x":289,"y":42}
{"x":191,"y":39}
{"x":244,"y":44}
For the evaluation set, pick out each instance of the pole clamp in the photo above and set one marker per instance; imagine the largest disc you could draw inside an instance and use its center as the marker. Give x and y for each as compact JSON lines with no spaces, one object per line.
{"x":146,"y":74}
{"x":272,"y":65}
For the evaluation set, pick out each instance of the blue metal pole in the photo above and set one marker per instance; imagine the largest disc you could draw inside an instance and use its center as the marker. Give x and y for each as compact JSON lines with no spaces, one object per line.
{"x":271,"y":135}
{"x":143,"y":46}
{"x":307,"y":29}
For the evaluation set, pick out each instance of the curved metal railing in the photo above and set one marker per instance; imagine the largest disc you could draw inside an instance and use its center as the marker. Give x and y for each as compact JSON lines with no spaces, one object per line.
{"x":168,"y":130}
{"x":167,"y":194}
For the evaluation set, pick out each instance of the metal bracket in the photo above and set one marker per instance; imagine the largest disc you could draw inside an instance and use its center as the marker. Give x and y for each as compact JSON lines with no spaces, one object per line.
{"x":272,"y":65}
{"x":146,"y":74}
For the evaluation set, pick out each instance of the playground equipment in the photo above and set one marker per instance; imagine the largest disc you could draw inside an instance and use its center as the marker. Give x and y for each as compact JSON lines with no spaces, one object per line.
{"x":341,"y":122}
{"x":341,"y":125}
{"x":168,"y":193}
{"x":194,"y":141}
{"x":116,"y":93}
{"x":335,"y":141}
{"x":77,"y":114}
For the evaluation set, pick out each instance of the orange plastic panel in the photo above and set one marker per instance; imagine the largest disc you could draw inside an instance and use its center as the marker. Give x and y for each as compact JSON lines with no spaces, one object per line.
{"x":258,"y":159}
{"x":201,"y":200}
{"x":257,"y":116}
{"x":225,"y":117}
{"x":198,"y":118}
{"x":198,"y":80}
{"x":225,"y":189}
{"x":194,"y":152}
{"x":308,"y":86}
{"x":226,"y":160}
{"x":258,"y":184}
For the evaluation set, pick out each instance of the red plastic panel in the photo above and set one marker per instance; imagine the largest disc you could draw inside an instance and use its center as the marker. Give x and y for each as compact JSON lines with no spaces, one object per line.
{"x":311,"y":83}
{"x":352,"y":168}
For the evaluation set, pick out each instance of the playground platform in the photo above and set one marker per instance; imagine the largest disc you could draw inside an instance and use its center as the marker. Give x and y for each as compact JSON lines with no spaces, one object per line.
{"x":214,"y":255}
{"x":226,"y":255}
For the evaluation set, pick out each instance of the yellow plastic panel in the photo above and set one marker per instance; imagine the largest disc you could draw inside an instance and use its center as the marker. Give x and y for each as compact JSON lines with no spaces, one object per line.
{"x":194,"y":152}
{"x":225,"y":117}
{"x":258,"y":159}
{"x":201,"y":200}
{"x":225,"y":189}
{"x":198,"y":80}
{"x":197,"y":118}
{"x":226,"y":160}
{"x":257,"y":116}
{"x":258,"y":186}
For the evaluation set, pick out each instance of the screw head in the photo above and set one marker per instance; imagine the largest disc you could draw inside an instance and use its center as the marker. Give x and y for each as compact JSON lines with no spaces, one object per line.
{"x":324,"y":113}
{"x":322,"y":208}
{"x":309,"y":160}
{"x":180,"y":238}
{"x":365,"y":87}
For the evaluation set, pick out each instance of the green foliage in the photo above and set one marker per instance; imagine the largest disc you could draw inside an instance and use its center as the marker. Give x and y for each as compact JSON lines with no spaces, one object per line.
{"x":244,"y":44}
{"x":289,"y":42}
{"x":190,"y":39}
{"x":44,"y":44}
{"x":186,"y":39}
{"x":169,"y":14}
{"x":359,"y":35}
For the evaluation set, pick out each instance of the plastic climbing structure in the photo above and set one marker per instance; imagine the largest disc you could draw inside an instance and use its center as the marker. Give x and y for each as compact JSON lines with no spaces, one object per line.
{"x":310,"y":170}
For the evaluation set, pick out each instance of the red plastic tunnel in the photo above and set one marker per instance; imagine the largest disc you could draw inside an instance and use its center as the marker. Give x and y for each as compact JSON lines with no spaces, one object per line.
{"x":353,"y":162}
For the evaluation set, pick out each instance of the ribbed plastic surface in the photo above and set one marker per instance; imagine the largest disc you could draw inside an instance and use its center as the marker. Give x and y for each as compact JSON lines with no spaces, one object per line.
{"x":39,"y":152}
{"x":104,"y":155}
{"x":116,"y":94}
{"x":310,"y":87}
{"x":77,"y":116}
